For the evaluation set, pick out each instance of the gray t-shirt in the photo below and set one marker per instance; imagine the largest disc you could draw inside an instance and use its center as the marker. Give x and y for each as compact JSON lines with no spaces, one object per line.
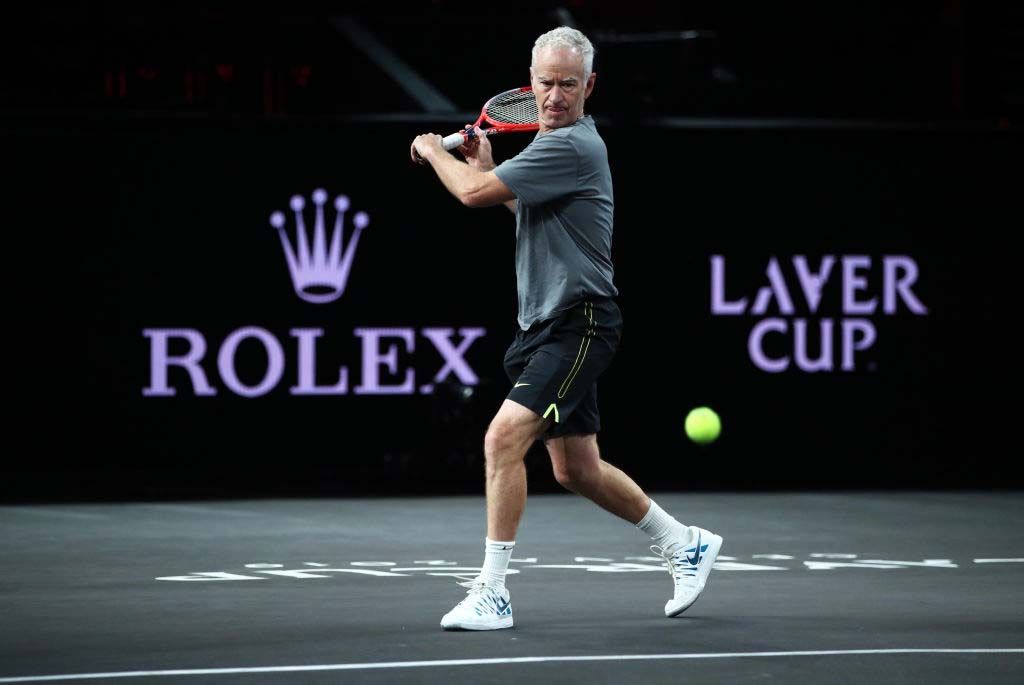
{"x":563,"y":188}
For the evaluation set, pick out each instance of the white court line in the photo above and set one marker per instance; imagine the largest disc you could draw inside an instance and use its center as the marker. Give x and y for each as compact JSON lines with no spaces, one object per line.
{"x":999,"y":561}
{"x":480,"y":662}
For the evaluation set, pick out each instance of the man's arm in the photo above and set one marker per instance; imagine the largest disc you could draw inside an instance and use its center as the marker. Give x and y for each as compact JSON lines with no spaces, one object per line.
{"x":474,"y":185}
{"x":470,"y":186}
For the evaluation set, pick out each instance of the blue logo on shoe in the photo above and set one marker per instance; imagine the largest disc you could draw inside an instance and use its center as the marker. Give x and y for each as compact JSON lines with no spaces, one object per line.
{"x":504,"y":607}
{"x":696,"y":552}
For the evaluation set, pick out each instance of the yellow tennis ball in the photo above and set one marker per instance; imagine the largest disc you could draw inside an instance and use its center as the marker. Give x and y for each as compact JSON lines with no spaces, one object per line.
{"x":703,"y":425}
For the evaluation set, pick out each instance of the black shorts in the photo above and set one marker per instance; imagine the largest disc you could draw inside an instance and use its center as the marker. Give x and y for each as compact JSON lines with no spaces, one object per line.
{"x":554,"y":366}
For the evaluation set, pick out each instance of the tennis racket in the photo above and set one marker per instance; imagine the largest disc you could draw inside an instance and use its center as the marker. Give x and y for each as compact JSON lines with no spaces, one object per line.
{"x":514,"y":111}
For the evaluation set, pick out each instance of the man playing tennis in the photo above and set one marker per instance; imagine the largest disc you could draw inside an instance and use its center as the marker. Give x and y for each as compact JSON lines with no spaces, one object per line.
{"x":560,"y":188}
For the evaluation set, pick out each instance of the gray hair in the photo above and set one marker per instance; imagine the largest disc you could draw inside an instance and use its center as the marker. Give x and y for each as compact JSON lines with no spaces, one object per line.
{"x":565,"y":37}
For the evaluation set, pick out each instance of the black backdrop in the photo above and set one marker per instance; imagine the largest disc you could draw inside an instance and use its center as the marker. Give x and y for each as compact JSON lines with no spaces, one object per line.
{"x":125,"y":225}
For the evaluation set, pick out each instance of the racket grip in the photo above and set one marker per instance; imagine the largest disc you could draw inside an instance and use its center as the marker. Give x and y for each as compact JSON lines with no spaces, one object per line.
{"x":453,"y":141}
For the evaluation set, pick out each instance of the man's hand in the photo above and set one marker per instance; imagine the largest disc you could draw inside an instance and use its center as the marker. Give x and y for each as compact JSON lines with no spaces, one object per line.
{"x":474,"y":182}
{"x":425,"y":145}
{"x":477,"y":150}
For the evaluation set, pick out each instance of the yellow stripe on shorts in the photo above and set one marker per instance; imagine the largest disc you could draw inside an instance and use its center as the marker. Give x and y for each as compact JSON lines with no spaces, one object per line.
{"x":588,"y":308}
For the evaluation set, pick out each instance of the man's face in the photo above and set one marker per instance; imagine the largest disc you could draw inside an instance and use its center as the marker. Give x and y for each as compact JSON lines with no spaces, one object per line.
{"x":558,"y":85}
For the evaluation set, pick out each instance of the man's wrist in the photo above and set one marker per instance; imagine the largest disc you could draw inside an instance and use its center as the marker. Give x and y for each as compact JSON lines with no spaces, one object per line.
{"x":428,"y":155}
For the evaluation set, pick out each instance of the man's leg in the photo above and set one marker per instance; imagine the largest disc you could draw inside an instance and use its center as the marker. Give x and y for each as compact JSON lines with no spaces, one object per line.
{"x":688,"y":551}
{"x":508,"y":438}
{"x":578,"y":467}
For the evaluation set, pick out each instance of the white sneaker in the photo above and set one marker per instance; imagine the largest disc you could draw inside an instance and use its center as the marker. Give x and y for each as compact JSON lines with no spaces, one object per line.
{"x":689,"y":564}
{"x":484,"y":608}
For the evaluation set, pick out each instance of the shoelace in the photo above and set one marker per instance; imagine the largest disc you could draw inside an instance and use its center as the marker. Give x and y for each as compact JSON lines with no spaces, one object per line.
{"x":482,"y":597}
{"x":476,"y":589}
{"x":673,"y":562}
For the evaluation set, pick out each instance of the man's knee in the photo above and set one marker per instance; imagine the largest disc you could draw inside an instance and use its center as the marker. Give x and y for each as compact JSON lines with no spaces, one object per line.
{"x":576,"y":476}
{"x":576,"y":463}
{"x":511,"y":432}
{"x":507,"y":440}
{"x":499,"y":439}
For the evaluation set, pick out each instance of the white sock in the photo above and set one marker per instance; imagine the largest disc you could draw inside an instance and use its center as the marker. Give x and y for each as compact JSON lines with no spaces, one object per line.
{"x":663,"y":529}
{"x":496,"y":557}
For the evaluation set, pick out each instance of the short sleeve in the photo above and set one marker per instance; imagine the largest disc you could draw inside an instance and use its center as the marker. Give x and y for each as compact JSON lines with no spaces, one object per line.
{"x":544,"y":171}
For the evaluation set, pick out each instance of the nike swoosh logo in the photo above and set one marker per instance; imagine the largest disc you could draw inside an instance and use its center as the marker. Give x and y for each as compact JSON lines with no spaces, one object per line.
{"x":696,"y":553}
{"x":519,"y":385}
{"x":502,"y":606}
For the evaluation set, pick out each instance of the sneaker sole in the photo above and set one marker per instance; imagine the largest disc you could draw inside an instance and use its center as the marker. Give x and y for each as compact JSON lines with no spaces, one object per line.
{"x":714,"y":547}
{"x":505,"y":622}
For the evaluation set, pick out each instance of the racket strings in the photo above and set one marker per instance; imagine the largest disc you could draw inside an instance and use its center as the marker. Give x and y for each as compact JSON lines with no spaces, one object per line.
{"x":513,"y":108}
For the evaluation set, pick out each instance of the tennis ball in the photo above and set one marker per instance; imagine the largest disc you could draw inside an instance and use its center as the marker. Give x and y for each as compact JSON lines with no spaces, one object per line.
{"x":703,"y":425}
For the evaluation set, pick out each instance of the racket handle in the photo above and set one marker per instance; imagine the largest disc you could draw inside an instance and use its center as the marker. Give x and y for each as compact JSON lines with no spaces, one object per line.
{"x":453,"y":141}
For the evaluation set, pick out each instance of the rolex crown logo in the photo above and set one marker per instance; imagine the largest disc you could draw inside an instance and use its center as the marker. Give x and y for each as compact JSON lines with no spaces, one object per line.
{"x":319,"y":271}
